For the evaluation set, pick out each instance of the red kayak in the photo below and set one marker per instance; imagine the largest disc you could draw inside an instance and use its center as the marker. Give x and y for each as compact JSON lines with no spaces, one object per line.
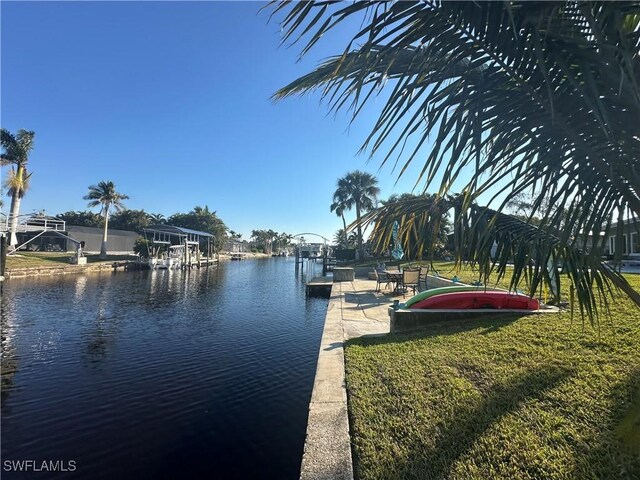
{"x":480,"y":299}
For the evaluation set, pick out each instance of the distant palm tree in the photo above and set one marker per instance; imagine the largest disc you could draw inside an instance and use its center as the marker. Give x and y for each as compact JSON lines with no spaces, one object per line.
{"x":157,"y":218}
{"x":105,"y":195}
{"x":339,"y":206}
{"x":16,"y":152}
{"x":357,"y":189}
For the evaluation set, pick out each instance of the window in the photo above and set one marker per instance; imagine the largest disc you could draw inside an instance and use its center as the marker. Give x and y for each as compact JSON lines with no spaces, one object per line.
{"x":635,"y":243}
{"x":612,"y":245}
{"x":625,"y":248}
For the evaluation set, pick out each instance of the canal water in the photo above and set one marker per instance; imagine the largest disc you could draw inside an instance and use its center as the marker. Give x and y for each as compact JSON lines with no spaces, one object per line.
{"x":168,"y":374}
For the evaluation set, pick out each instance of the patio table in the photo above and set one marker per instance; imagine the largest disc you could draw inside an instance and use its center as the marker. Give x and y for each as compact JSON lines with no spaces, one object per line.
{"x":395,"y":277}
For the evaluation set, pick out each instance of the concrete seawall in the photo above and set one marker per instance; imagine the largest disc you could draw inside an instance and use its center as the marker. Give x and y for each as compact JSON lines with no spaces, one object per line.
{"x":57,"y":270}
{"x":353,"y":311}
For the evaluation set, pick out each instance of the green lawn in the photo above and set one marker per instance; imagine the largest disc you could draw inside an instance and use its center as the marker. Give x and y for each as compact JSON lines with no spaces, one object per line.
{"x":54,"y":259}
{"x":535,"y":397}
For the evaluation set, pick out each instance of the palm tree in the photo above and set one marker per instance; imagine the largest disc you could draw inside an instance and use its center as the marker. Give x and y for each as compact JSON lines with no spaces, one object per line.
{"x":424,"y":235}
{"x":105,"y":195}
{"x":541,"y":98}
{"x":157,"y":218}
{"x":16,"y":152}
{"x":356,"y":189}
{"x":339,"y":206}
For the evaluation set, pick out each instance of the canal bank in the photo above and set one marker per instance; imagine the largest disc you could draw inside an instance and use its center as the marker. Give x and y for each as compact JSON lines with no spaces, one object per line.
{"x":60,"y":267}
{"x":354,"y":310}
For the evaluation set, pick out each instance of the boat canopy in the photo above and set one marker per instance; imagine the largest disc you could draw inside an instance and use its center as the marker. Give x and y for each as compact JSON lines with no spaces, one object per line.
{"x":179,"y":231}
{"x":171,"y":235}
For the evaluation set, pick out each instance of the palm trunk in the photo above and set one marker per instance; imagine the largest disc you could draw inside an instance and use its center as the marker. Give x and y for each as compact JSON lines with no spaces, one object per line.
{"x":15,"y":211}
{"x":13,"y":220}
{"x":360,"y":249}
{"x":103,"y":247}
{"x":344,"y":231}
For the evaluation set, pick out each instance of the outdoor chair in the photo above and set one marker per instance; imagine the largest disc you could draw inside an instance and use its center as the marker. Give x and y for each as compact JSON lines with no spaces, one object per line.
{"x":381,"y":277}
{"x":422,"y":278}
{"x":410,"y":280}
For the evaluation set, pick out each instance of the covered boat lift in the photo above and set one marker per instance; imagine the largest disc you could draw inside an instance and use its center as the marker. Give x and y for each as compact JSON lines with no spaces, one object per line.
{"x":183,"y":245}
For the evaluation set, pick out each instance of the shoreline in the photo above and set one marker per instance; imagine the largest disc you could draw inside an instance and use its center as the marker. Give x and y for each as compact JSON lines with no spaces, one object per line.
{"x":97,"y":267}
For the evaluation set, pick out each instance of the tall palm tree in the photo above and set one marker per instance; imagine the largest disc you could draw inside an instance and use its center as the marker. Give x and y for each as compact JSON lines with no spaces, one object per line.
{"x":523,"y":96}
{"x":339,"y":206}
{"x":16,"y":152}
{"x":105,"y":195}
{"x":357,"y":189}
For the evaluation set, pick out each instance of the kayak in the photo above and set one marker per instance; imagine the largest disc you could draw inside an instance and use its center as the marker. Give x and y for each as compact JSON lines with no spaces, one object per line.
{"x":480,"y":299}
{"x":437,"y":291}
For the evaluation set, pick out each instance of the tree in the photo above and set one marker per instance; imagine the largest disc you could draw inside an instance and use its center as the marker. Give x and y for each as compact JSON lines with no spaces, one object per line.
{"x":339,"y":206}
{"x":522,"y":95}
{"x":134,"y":220}
{"x":104,"y":194}
{"x":204,"y":220}
{"x":357,"y":189}
{"x":157,"y":218}
{"x":81,"y":219}
{"x":422,"y":236}
{"x":342,"y":240}
{"x":16,"y":150}
{"x":263,"y":239}
{"x":281,"y":241}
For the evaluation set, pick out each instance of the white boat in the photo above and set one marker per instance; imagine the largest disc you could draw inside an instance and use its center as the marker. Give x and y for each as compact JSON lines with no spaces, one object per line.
{"x":169,"y":261}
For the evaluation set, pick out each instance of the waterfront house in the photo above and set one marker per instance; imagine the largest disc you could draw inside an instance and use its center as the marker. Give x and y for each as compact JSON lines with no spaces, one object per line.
{"x":630,"y":241}
{"x":236,"y":246}
{"x":120,"y":241}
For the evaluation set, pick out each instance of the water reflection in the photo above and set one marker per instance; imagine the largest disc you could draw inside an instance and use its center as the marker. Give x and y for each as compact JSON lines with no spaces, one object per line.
{"x":81,"y":285}
{"x":153,"y":374}
{"x":8,"y":358}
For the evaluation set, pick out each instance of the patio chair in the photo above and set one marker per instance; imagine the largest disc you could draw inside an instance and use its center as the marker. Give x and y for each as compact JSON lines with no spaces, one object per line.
{"x":410,"y":279}
{"x":380,"y":278}
{"x":422,"y":278}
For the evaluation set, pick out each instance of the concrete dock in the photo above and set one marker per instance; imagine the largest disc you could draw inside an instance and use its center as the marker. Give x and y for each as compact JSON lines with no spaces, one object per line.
{"x":319,"y":286}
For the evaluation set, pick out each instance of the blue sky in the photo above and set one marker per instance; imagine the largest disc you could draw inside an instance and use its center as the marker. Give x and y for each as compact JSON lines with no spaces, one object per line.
{"x":171,"y":101}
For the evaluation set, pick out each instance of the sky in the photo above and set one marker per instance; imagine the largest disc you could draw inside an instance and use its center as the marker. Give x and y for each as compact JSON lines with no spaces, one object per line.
{"x":172,"y":102}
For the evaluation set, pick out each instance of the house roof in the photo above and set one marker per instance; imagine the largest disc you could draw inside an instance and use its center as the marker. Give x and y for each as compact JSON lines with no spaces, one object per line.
{"x":99,"y":231}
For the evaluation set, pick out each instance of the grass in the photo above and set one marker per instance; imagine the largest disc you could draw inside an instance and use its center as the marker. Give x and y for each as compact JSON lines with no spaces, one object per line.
{"x":529,"y":398}
{"x":54,"y":259}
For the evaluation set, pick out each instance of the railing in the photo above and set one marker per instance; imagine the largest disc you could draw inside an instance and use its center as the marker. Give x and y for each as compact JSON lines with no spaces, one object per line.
{"x":33,"y":224}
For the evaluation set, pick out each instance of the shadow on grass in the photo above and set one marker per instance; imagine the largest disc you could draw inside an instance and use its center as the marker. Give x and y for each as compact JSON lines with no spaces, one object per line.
{"x":469,"y":423}
{"x":615,"y":451}
{"x":439,"y":328}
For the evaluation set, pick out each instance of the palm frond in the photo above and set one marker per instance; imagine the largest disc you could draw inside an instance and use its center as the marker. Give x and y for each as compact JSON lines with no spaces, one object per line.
{"x":104,"y":194}
{"x":17,"y":182}
{"x":536,"y":97}
{"x":16,"y":147}
{"x":500,"y":245}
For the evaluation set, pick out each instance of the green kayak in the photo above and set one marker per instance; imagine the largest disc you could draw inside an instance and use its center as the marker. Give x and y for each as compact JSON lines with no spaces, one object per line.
{"x":437,"y":291}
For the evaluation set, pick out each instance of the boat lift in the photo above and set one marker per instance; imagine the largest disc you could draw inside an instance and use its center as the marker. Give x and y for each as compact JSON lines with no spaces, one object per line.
{"x":183,"y":245}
